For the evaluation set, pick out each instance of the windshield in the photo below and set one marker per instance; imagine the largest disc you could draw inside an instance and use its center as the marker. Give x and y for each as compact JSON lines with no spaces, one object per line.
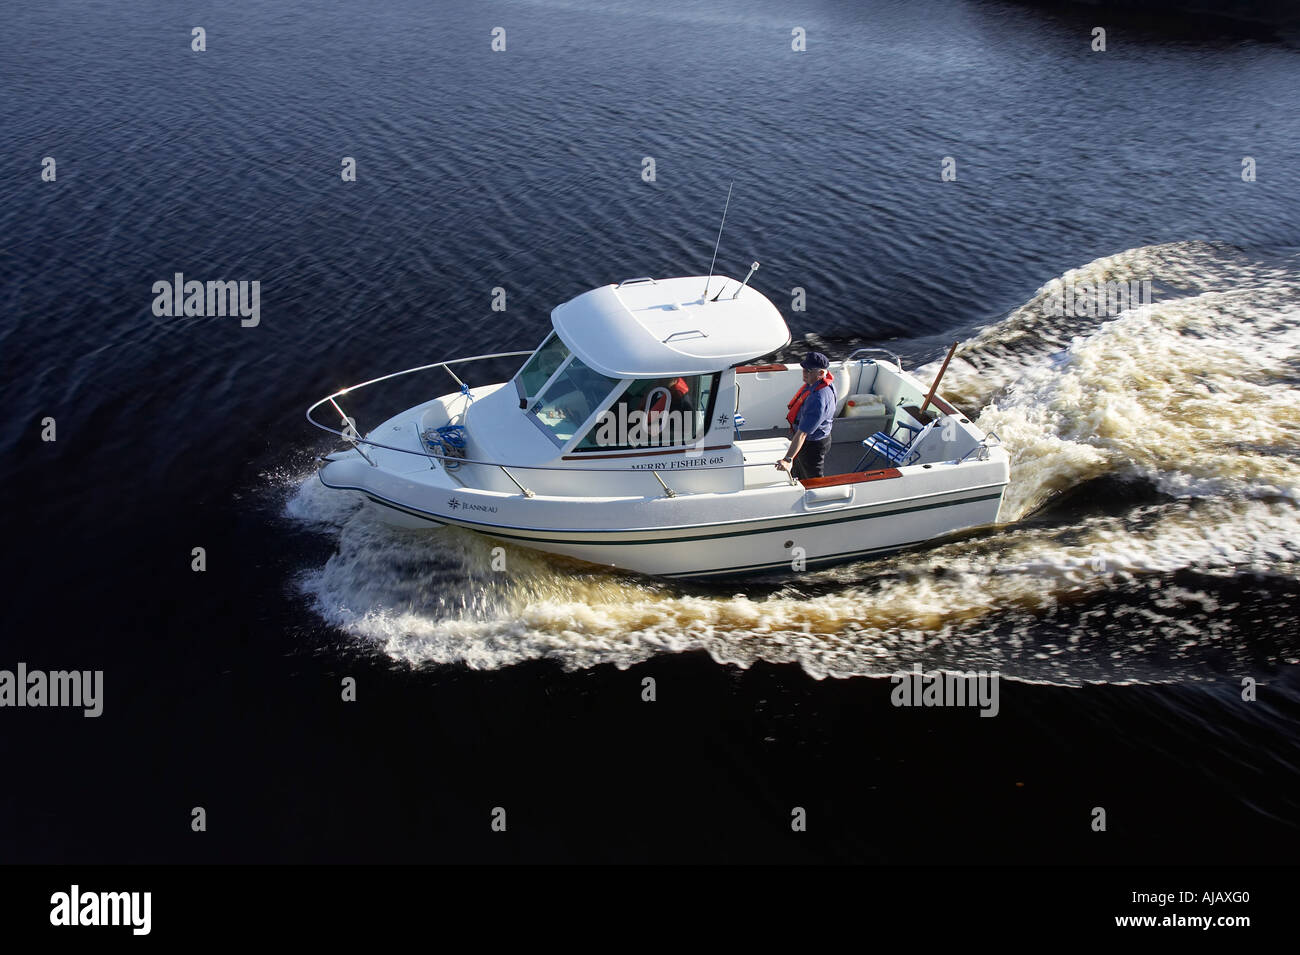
{"x":570,"y":399}
{"x":541,"y":366}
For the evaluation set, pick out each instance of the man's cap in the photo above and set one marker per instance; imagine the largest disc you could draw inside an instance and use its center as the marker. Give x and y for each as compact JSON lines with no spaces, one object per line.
{"x":815,"y":359}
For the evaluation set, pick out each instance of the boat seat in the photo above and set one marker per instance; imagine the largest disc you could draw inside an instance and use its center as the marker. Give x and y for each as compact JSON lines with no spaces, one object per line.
{"x":881,"y":445}
{"x":762,"y":454}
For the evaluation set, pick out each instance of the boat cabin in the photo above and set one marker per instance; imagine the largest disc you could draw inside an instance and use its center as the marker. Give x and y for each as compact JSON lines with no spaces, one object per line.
{"x":661,"y":376}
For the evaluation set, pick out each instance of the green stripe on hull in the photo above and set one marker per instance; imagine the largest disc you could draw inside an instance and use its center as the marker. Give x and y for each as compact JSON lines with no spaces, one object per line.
{"x":785,"y":564}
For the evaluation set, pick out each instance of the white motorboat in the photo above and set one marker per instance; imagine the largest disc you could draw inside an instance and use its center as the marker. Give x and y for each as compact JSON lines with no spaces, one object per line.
{"x":643,"y":434}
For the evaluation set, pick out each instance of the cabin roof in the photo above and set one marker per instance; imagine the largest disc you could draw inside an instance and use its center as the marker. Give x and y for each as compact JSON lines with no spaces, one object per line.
{"x":652,"y":329}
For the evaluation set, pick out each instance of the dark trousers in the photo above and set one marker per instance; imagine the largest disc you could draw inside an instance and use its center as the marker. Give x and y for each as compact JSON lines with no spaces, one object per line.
{"x":810,"y":462}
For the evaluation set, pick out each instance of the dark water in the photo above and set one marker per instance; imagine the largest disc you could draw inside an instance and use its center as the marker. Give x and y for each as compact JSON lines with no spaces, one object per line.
{"x":1148,"y":563}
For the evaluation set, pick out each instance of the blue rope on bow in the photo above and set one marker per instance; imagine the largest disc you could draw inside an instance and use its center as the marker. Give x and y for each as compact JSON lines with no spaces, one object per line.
{"x":449,"y":441}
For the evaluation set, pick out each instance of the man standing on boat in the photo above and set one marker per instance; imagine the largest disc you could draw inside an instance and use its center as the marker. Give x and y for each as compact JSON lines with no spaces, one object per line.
{"x":811,"y":412}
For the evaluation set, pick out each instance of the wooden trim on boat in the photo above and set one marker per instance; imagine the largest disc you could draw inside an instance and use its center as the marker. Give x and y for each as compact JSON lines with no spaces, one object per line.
{"x":943,"y":406}
{"x":638,"y":454}
{"x":752,"y":369}
{"x":936,"y":403}
{"x":856,"y":477}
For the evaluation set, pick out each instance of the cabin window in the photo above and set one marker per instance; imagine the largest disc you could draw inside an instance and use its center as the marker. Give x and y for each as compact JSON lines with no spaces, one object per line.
{"x":571,"y":397}
{"x":655,"y":413}
{"x":544,"y":363}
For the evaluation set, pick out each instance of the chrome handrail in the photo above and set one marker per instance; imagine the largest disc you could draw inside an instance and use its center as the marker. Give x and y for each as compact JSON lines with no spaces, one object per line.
{"x":983,"y":447}
{"x":884,"y":351}
{"x":356,"y":439}
{"x":398,"y":374}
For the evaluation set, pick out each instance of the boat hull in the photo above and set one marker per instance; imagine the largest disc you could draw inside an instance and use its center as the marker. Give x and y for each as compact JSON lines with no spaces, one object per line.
{"x":808,"y":532}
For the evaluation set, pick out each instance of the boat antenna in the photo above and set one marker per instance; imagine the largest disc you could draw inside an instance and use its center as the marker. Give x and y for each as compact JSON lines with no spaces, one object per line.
{"x":752,"y":269}
{"x":719,"y":242}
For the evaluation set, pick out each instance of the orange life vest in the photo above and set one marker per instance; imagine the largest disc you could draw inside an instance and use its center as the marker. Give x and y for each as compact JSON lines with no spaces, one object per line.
{"x":678,"y":387}
{"x":800,"y":396}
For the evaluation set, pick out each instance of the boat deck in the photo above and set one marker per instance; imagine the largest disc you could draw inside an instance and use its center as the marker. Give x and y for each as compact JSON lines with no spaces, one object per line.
{"x":842,"y":458}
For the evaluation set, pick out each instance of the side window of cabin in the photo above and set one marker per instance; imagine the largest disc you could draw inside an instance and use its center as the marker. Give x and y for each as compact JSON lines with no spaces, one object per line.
{"x":655,"y":413}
